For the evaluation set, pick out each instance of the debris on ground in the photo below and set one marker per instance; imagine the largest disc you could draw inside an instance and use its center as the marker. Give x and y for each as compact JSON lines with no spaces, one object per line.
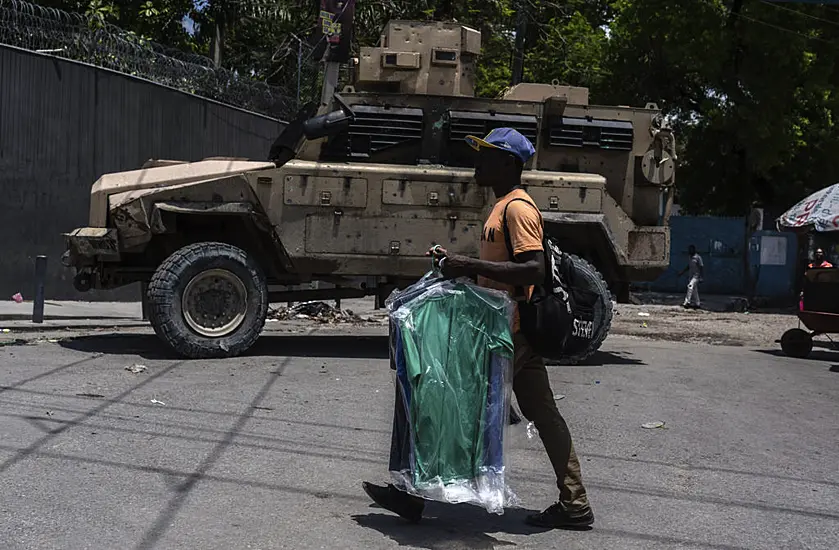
{"x":39,"y":341}
{"x":558,"y":396}
{"x":643,"y":314}
{"x":318,"y":311}
{"x":652,"y":425}
{"x":136,"y":368}
{"x":737,"y":305}
{"x":18,"y":298}
{"x":15,"y":342}
{"x":156,"y":402}
{"x":670,"y":322}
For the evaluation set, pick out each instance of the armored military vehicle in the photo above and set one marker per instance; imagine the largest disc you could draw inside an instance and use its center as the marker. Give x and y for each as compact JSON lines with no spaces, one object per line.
{"x":357,"y":189}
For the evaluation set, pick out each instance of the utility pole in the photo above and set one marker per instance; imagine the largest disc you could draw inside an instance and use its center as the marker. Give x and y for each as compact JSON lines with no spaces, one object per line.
{"x":336,"y":20}
{"x":518,"y":54}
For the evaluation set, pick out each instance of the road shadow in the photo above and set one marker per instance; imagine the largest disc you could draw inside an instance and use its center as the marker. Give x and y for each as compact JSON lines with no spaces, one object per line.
{"x":824,"y":345}
{"x":601,"y":359}
{"x":815,"y":355}
{"x":446,"y":526}
{"x":150,"y":347}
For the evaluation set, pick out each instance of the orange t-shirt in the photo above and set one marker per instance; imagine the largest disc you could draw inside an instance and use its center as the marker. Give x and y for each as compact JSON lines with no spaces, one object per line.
{"x":524,"y":222}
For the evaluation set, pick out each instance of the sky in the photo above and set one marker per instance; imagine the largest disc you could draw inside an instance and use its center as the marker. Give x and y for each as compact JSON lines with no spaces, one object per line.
{"x":188,"y":24}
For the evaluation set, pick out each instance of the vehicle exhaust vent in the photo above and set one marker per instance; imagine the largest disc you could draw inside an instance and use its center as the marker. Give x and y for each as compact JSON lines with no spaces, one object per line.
{"x":585,"y":132}
{"x":377,"y":129}
{"x":480,"y":123}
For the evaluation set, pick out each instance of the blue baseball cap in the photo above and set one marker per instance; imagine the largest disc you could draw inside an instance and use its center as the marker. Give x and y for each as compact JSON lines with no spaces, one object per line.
{"x":506,"y":139}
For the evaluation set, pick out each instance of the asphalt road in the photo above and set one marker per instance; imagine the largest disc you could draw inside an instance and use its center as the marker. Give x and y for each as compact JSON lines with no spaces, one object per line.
{"x":268,"y":451}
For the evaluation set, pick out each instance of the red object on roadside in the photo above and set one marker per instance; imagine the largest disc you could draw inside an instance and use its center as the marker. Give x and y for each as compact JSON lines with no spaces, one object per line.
{"x":18,"y":298}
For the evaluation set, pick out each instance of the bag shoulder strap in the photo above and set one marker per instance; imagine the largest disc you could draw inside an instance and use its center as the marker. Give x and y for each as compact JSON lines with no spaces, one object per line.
{"x":519,"y":291}
{"x":507,"y":240}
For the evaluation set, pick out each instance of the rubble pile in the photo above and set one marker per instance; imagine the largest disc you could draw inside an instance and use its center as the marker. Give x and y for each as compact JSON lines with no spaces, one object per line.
{"x":317,"y":311}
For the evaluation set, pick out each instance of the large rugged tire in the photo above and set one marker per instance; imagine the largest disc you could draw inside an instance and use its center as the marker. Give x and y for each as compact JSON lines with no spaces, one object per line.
{"x":208,"y":300}
{"x":587,"y":276}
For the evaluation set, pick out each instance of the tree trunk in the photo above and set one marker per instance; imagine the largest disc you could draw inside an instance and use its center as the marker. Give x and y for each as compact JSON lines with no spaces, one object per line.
{"x":218,"y":42}
{"x":518,"y":53}
{"x":444,"y":11}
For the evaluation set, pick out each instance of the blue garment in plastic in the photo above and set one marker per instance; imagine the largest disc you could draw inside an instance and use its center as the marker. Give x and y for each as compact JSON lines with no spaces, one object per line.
{"x":448,"y":440}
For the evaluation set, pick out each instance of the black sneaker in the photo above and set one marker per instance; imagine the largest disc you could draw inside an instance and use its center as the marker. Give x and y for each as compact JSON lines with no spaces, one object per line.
{"x":555,"y":517}
{"x":405,"y":505}
{"x":514,"y":417}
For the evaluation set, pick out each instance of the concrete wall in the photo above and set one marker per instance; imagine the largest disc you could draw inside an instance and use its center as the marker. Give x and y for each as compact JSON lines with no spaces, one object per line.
{"x":771,"y":258}
{"x":63,"y":124}
{"x":773,"y":262}
{"x":722,"y":244}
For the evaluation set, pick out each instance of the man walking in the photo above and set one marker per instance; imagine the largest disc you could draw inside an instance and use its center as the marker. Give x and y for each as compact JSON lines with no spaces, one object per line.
{"x":499,"y":163}
{"x":697,"y":273}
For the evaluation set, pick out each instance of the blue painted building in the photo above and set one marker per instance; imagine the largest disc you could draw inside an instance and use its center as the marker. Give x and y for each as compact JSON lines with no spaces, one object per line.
{"x":773,"y":260}
{"x":735,"y":262}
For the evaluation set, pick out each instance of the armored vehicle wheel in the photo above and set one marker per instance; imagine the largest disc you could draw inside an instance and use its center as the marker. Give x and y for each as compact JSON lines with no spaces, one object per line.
{"x":208,"y":300}
{"x":587,"y":276}
{"x":797,"y":343}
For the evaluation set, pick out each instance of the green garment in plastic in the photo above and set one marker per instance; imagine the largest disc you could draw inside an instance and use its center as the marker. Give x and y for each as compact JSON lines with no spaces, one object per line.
{"x":449,"y":341}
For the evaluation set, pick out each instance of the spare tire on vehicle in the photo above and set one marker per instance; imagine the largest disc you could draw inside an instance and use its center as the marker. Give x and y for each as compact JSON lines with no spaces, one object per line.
{"x":585,"y":277}
{"x":208,"y":300}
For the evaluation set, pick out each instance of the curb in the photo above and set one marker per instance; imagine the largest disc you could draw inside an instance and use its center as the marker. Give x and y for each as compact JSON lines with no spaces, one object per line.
{"x":6,"y":317}
{"x":55,"y":326}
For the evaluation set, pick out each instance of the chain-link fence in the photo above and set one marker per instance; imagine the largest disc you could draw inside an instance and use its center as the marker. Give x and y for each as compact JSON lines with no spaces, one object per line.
{"x":75,"y":36}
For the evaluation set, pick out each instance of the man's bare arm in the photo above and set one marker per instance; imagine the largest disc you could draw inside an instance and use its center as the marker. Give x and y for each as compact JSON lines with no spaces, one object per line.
{"x":529,"y":269}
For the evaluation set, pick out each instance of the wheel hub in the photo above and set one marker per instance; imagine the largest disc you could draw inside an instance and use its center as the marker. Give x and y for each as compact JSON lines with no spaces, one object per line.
{"x":214,"y":303}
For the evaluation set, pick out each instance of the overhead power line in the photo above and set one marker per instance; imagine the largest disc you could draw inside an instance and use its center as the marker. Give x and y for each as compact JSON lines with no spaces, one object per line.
{"x":797,"y":12}
{"x":768,"y":24}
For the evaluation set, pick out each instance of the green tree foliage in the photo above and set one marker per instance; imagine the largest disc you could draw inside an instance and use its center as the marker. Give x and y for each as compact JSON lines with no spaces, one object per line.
{"x":749,"y":85}
{"x":156,"y":20}
{"x":569,"y":50}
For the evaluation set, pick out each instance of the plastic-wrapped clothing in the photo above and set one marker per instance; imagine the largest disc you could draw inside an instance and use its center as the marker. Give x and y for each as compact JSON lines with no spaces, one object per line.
{"x":496,"y":414}
{"x":449,"y":383}
{"x":401,"y":443}
{"x":451,"y":348}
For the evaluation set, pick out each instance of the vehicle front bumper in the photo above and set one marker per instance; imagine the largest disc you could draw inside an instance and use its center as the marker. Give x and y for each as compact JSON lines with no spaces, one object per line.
{"x":86,"y":246}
